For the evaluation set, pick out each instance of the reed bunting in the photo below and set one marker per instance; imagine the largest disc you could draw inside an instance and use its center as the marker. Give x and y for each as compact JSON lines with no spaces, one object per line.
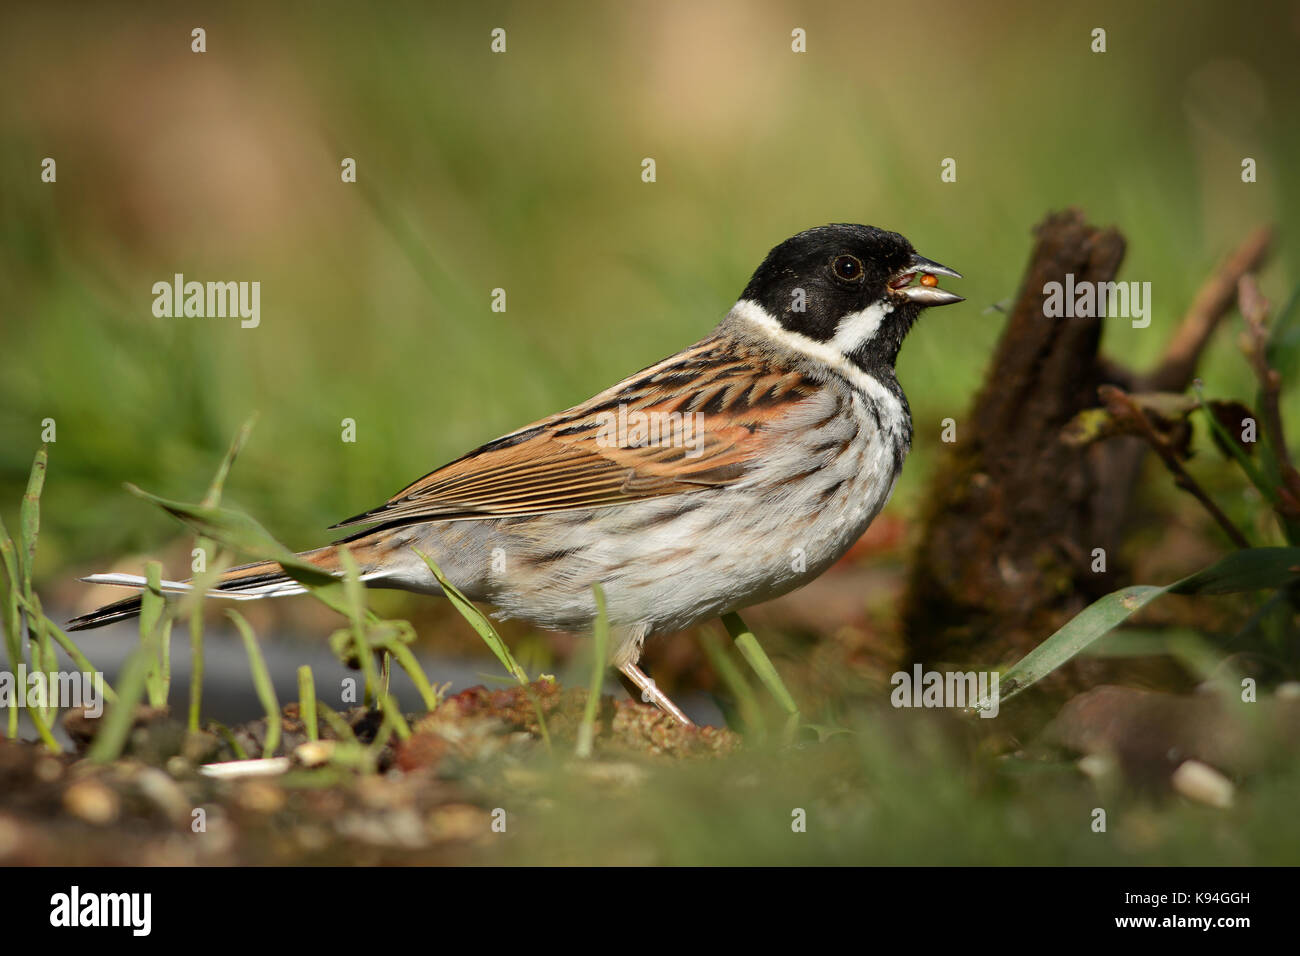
{"x":727,"y":474}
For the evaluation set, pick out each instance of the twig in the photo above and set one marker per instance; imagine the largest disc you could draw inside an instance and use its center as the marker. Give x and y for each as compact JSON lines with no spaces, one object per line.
{"x":1120,"y":404}
{"x":1254,"y":309}
{"x":1211,"y":304}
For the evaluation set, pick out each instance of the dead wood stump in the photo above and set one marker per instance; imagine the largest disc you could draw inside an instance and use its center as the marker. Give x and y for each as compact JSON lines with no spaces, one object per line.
{"x":1013,"y":514}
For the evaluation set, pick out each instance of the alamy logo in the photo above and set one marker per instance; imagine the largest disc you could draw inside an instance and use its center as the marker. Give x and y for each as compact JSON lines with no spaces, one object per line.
{"x":955,"y":689}
{"x":43,"y":689}
{"x":210,"y":300}
{"x":653,"y":429}
{"x":74,"y":908}
{"x":1106,"y":300}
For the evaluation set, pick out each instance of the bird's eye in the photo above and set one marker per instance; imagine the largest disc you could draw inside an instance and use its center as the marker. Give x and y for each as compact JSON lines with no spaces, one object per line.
{"x":847,"y":268}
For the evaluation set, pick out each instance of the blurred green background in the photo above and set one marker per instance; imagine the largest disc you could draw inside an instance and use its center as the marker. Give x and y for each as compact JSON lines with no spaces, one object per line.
{"x":522,"y":171}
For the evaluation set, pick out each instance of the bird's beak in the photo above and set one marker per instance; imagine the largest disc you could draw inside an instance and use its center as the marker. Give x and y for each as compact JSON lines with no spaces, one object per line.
{"x":925,"y":295}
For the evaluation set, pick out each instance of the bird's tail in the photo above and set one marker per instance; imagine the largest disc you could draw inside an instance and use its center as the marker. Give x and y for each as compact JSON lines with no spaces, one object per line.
{"x":248,"y":582}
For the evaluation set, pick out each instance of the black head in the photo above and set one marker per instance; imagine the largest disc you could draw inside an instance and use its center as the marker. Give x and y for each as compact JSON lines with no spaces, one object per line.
{"x":849,"y":287}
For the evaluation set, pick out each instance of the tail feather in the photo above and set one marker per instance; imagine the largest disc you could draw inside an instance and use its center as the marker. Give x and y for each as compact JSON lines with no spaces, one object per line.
{"x":248,"y":582}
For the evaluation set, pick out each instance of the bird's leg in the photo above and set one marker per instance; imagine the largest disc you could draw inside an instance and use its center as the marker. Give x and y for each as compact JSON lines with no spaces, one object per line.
{"x":650,"y":693}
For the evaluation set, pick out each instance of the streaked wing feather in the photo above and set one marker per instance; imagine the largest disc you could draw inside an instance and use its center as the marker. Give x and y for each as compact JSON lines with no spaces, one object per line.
{"x":567,"y":461}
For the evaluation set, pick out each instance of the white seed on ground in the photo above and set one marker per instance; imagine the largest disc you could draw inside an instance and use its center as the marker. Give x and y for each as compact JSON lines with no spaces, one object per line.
{"x":233,"y":769}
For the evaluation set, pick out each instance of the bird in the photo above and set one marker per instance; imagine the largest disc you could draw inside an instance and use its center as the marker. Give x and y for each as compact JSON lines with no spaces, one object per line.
{"x":727,"y":474}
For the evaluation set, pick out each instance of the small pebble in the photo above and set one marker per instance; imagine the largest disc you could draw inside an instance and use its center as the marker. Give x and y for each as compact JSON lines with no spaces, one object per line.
{"x":1204,"y":784}
{"x":10,"y":836}
{"x":162,"y":791}
{"x":315,"y":752}
{"x":380,"y":794}
{"x":1097,"y":766}
{"x":458,"y":821}
{"x":260,"y":796}
{"x":91,"y":801}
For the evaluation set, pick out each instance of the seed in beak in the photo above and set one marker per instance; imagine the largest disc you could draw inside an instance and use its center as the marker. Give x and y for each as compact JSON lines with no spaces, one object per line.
{"x":927,"y":279}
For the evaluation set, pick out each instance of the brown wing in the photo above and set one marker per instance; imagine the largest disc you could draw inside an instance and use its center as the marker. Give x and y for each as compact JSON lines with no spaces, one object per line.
{"x":602,"y":453}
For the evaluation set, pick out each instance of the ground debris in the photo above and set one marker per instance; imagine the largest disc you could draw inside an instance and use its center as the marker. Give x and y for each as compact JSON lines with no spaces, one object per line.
{"x":432,"y":798}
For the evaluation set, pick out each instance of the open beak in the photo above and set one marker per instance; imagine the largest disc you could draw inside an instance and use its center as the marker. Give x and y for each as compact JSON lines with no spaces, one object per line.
{"x":923,"y":294}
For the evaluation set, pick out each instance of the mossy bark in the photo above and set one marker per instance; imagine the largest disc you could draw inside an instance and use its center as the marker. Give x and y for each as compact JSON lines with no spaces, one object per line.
{"x":1014,"y":514}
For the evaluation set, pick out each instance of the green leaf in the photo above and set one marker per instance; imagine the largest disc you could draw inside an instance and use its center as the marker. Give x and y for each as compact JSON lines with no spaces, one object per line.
{"x":748,"y":714}
{"x":244,"y":535}
{"x":476,"y":620}
{"x":1250,"y":569}
{"x":490,"y":637}
{"x":766,"y":670}
{"x":237,"y":531}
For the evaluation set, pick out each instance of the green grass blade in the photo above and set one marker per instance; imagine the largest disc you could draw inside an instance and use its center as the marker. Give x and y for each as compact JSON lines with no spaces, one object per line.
{"x":69,"y":646}
{"x":29,"y":518}
{"x":165,"y":661}
{"x":482,"y":626}
{"x":307,"y":701}
{"x":41,"y":647}
{"x":41,"y":721}
{"x":354,"y":597}
{"x":191,"y":607}
{"x":10,"y":595}
{"x":1094,"y":621}
{"x":203,"y":582}
{"x":599,"y":664}
{"x":213,"y":498}
{"x":196,"y":667}
{"x":763,"y":666}
{"x":342,"y":729}
{"x":242,"y":534}
{"x":355,"y":608}
{"x":228,"y":736}
{"x":748,"y":709}
{"x":351,"y":751}
{"x":152,"y":607}
{"x":262,"y":681}
{"x":406,"y":660}
{"x":118,"y":721}
{"x":1252,"y":569}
